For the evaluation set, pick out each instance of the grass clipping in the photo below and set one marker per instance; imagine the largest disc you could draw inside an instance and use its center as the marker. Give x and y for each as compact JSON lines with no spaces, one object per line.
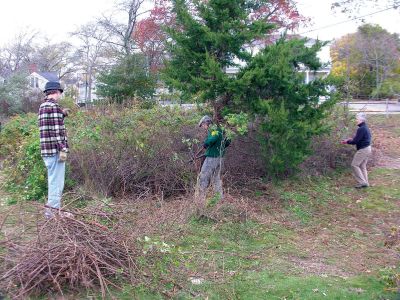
{"x":68,"y":254}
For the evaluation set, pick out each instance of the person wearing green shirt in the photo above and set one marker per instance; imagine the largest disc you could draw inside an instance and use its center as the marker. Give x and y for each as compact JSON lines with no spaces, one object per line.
{"x":215,"y":145}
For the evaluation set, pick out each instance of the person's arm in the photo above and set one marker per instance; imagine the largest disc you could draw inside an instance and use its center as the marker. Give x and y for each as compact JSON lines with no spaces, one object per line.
{"x":357,"y":138}
{"x":58,"y":126}
{"x":65,"y":112}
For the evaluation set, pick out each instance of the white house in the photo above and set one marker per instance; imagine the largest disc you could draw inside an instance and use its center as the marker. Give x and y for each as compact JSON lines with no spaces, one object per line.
{"x":308,"y":74}
{"x":38,"y":80}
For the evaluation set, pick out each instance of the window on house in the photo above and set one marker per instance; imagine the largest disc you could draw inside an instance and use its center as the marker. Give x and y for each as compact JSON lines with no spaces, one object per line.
{"x":37,"y":82}
{"x":32,"y":82}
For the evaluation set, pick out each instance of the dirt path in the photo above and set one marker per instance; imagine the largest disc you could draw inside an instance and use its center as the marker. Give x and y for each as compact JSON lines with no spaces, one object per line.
{"x":388,"y":162}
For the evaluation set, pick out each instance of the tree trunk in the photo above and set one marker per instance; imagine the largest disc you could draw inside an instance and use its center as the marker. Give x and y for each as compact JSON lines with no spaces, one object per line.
{"x":377,"y":81}
{"x":219,"y":103}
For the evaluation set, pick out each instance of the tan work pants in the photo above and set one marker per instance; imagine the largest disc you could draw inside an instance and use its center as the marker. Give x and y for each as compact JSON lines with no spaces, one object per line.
{"x":359,"y":165}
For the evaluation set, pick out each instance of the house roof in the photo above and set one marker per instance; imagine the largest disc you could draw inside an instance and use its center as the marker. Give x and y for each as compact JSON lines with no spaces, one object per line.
{"x":50,"y":76}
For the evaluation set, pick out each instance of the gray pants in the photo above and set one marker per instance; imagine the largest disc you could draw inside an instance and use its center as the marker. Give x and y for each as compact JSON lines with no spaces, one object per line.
{"x":359,"y":165}
{"x":210,"y":174}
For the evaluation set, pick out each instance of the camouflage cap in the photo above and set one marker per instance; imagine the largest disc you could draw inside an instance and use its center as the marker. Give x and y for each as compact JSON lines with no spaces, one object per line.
{"x":205,"y":119}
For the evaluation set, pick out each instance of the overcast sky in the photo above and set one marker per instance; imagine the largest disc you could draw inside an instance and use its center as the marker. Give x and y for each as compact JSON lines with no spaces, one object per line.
{"x":56,"y":19}
{"x":323,"y":16}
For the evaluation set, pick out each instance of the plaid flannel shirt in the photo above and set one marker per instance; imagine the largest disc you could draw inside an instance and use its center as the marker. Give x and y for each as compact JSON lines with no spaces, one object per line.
{"x":53,"y":135}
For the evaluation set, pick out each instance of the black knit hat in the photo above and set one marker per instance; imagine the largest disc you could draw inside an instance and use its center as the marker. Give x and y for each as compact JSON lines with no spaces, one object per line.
{"x":53,"y":85}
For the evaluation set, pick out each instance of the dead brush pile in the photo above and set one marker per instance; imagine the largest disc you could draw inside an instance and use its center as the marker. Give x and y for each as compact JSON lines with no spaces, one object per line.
{"x":122,"y":152}
{"x":68,"y":254}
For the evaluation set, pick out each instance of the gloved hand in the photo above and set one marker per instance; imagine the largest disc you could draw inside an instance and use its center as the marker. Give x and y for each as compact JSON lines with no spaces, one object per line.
{"x":66,"y":111}
{"x":344,"y":141}
{"x":63,"y":156}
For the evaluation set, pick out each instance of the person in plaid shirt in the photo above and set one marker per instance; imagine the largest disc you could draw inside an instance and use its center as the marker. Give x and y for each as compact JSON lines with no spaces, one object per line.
{"x":53,"y":144}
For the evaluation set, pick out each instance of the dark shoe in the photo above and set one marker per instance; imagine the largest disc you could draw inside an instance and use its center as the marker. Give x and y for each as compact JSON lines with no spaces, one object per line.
{"x":360,"y":186}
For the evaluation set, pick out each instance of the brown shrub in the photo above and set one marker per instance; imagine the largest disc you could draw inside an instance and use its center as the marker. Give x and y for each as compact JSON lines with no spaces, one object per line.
{"x":119,"y":151}
{"x":134,"y":152}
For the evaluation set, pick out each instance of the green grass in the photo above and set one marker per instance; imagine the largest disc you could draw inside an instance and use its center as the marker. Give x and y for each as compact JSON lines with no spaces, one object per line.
{"x":226,"y":248}
{"x":384,"y":193}
{"x":270,"y":275}
{"x":380,"y":199}
{"x":304,"y":198}
{"x":248,"y":260}
{"x":232,"y":245}
{"x":266,"y":285}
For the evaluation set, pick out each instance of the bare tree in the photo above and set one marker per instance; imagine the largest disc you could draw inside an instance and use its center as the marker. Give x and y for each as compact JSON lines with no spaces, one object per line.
{"x":120,"y":34}
{"x":92,"y":52}
{"x":366,"y":59}
{"x":352,"y":7}
{"x":379,"y":50}
{"x":56,"y":58}
{"x":17,"y":55}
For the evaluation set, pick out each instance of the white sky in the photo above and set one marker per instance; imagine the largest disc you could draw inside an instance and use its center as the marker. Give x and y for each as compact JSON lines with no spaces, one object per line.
{"x":322,"y":17}
{"x":51,"y":17}
{"x":56,"y":19}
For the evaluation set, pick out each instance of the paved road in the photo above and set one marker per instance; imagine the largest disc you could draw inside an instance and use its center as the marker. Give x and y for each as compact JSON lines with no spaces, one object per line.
{"x":371,"y":107}
{"x":374,"y":107}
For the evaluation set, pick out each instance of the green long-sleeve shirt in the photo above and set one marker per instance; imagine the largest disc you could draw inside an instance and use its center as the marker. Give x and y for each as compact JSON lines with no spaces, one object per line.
{"x":215,"y":143}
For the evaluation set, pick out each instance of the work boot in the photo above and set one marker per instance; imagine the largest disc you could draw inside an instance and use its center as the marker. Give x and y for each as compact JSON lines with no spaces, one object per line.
{"x":360,"y":186}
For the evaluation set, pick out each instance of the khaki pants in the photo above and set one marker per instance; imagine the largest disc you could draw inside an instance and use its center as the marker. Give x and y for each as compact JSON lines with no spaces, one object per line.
{"x":210,"y":174}
{"x":359,"y":165}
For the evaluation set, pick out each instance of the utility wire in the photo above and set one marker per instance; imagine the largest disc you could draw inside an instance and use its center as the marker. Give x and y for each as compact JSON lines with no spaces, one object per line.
{"x":350,"y":20}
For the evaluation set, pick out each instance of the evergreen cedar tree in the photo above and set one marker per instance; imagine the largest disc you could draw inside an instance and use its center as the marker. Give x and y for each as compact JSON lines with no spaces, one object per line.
{"x":204,"y":38}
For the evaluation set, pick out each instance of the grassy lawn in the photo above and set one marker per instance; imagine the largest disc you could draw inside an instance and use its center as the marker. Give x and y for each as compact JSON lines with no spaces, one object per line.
{"x":305,"y":238}
{"x":325,"y":240}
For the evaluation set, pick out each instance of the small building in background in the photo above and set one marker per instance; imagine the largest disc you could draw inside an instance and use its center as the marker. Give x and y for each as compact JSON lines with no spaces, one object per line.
{"x":38,"y":80}
{"x":309,"y":75}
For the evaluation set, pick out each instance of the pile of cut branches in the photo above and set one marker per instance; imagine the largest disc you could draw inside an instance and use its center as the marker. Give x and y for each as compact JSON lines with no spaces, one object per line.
{"x":68,"y":254}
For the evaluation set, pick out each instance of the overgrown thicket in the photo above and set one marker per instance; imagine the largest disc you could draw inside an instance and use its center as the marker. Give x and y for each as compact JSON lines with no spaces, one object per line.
{"x":123,"y":151}
{"x":117,"y":151}
{"x":19,"y":145}
{"x":15,"y":98}
{"x":114,"y":151}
